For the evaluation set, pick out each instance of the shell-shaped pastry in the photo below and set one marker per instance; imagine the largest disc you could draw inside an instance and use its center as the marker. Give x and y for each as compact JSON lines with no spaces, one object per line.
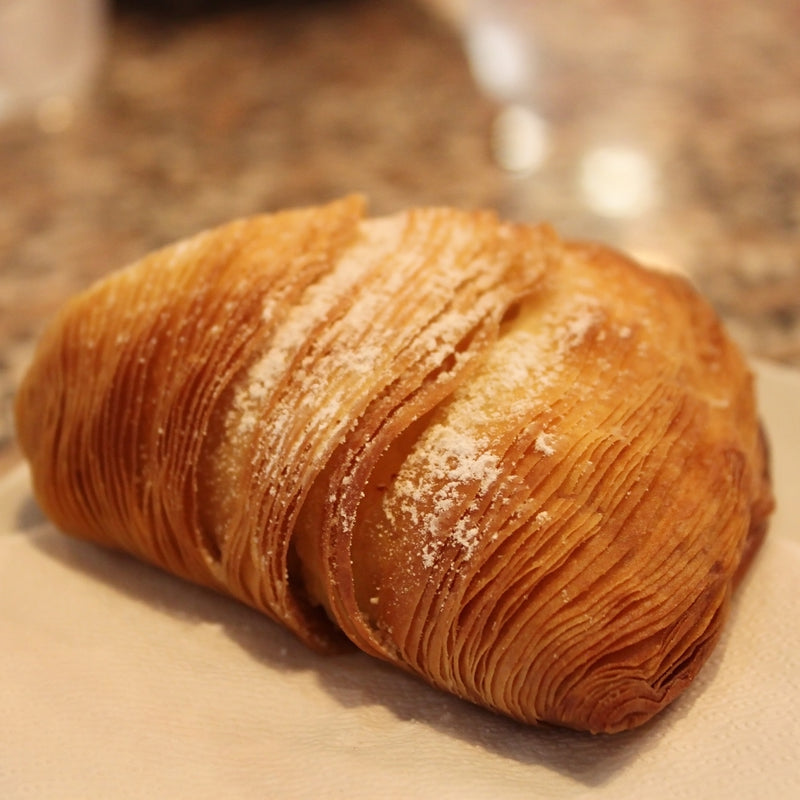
{"x":529,"y":472}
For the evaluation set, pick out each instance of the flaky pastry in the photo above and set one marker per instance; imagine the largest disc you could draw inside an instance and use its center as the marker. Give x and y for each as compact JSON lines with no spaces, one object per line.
{"x":530,"y":472}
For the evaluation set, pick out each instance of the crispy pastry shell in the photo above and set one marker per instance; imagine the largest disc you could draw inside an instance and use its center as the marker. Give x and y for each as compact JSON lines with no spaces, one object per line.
{"x":529,"y":472}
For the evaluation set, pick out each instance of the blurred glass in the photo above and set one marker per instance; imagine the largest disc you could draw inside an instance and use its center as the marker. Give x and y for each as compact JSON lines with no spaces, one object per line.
{"x":549,"y":75}
{"x":49,"y":53}
{"x":589,"y":108}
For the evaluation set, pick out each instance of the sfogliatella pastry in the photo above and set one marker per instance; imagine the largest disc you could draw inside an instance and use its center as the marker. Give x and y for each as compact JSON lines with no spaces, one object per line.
{"x":528,"y":471}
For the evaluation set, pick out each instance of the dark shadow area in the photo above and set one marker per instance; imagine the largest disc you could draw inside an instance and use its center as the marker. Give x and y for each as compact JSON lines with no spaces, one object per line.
{"x":187,"y":9}
{"x":29,"y":515}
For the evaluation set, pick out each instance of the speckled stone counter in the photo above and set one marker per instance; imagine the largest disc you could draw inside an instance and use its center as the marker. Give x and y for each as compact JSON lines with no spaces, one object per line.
{"x":200,"y":117}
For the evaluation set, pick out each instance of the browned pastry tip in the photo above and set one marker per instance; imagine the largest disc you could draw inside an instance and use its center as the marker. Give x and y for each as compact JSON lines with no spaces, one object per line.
{"x":528,"y":471}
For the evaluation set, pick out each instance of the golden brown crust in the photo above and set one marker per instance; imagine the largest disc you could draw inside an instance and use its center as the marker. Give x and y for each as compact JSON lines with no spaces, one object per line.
{"x":527,"y":471}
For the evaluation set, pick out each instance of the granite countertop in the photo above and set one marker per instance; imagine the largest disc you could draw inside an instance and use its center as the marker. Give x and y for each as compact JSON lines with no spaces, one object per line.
{"x":200,"y":115}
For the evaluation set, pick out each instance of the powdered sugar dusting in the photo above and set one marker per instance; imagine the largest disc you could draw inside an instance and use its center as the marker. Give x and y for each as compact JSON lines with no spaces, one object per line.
{"x":545,"y":444}
{"x":457,"y":461}
{"x":303,"y":324}
{"x":429,"y":552}
{"x":531,"y":357}
{"x":431,"y":489}
{"x":299,"y":324}
{"x":583,"y":315}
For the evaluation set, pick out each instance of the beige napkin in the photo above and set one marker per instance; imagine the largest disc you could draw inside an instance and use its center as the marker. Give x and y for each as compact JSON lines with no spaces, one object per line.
{"x":117,"y":681}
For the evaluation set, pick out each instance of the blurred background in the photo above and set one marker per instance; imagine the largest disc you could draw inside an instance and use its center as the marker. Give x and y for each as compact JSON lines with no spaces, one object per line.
{"x":670,"y":129}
